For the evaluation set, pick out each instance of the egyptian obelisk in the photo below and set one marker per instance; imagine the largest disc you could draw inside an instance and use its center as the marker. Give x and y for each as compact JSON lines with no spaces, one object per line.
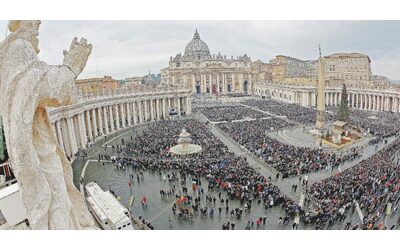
{"x":321,"y":92}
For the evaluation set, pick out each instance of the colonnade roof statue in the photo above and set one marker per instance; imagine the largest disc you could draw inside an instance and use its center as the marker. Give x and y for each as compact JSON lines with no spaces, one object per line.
{"x":27,"y":87}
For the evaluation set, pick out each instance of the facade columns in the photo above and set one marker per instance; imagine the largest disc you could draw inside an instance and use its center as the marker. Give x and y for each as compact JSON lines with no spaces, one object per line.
{"x":179,"y":106}
{"x":164,"y":111}
{"x":210,"y":76}
{"x":233,"y":83}
{"x":396,"y":105}
{"x":218,"y":83}
{"x":223,"y":83}
{"x":187,"y":106}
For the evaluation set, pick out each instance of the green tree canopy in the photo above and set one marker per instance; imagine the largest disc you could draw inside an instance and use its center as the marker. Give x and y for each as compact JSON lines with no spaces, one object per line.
{"x":343,"y":113}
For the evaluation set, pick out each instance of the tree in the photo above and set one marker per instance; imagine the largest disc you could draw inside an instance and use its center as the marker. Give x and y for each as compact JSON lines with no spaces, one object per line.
{"x":343,"y":113}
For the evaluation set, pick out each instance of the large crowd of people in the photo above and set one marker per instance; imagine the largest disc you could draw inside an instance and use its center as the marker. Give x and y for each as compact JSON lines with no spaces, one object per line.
{"x":223,"y":171}
{"x":287,"y":159}
{"x":230,"y":113}
{"x":379,"y":124}
{"x":293,"y":112}
{"x":372,"y":183}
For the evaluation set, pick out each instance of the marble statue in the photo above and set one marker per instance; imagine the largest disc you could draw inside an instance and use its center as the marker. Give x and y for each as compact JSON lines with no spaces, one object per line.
{"x":27,"y":87}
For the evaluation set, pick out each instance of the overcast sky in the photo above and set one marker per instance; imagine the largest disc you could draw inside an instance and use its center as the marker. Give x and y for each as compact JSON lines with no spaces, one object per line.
{"x":132,"y":48}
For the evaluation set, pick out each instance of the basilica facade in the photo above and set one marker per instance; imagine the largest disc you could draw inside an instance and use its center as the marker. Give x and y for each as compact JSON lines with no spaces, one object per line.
{"x":208,"y":73}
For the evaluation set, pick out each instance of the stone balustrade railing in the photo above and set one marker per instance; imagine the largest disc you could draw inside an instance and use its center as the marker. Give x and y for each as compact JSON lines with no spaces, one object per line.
{"x":373,"y":99}
{"x":123,"y":91}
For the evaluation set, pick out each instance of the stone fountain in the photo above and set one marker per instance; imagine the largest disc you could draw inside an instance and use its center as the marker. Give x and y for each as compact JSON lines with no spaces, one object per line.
{"x":185,"y":147}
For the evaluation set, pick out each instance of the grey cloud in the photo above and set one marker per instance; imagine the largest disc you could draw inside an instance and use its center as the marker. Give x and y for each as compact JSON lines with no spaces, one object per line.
{"x":126,"y":48}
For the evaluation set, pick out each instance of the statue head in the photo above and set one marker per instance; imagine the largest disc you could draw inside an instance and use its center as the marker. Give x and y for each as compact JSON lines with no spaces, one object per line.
{"x":26,"y":29}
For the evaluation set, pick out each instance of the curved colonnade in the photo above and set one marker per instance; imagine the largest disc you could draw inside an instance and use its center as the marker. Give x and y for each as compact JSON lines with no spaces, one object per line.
{"x":365,"y":99}
{"x":80,"y":125}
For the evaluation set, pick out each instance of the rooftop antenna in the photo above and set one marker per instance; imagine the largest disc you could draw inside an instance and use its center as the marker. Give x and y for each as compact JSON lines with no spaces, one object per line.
{"x":319,"y":47}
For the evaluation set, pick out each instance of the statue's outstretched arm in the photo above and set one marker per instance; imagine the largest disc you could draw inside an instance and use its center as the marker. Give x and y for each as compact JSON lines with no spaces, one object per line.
{"x":60,"y":87}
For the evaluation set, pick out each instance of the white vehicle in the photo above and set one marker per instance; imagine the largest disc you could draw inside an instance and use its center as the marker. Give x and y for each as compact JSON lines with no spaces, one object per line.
{"x":108,"y":211}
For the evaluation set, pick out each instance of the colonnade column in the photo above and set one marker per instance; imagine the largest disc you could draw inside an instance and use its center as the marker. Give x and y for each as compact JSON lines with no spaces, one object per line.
{"x":164,"y":108}
{"x":81,"y":120}
{"x":88,"y":126}
{"x":71,"y":134}
{"x":152,"y":110}
{"x":128,"y":112}
{"x":123,"y":117}
{"x":146,"y":113}
{"x":140,"y":112}
{"x":396,"y":105}
{"x":179,"y":106}
{"x":210,"y":82}
{"x":65,"y":136}
{"x":95,"y":134}
{"x":357,"y":106}
{"x":135,"y":120}
{"x":118,"y":124}
{"x":217,"y":83}
{"x":157,"y":109}
{"x":112,"y":125}
{"x":100,"y":120}
{"x":233,"y":83}
{"x":104,"y":112}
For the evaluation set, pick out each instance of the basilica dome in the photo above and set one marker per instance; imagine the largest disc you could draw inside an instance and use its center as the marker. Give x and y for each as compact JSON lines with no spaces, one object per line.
{"x":196,"y":49}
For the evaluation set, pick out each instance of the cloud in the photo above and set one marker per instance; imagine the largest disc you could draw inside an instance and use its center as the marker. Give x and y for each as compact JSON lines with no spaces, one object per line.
{"x":126,"y":48}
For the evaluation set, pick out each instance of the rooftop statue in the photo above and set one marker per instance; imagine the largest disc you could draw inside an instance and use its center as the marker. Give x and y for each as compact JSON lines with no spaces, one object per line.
{"x":27,"y":87}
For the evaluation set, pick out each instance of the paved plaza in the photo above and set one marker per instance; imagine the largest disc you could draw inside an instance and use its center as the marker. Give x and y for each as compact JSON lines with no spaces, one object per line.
{"x":159,"y":209}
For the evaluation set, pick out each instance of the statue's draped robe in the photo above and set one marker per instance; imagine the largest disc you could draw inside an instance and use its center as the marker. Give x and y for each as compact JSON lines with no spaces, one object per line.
{"x":44,"y":174}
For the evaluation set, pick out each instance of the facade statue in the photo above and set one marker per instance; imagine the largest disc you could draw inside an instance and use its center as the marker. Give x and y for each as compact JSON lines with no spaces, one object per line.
{"x":27,"y":87}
